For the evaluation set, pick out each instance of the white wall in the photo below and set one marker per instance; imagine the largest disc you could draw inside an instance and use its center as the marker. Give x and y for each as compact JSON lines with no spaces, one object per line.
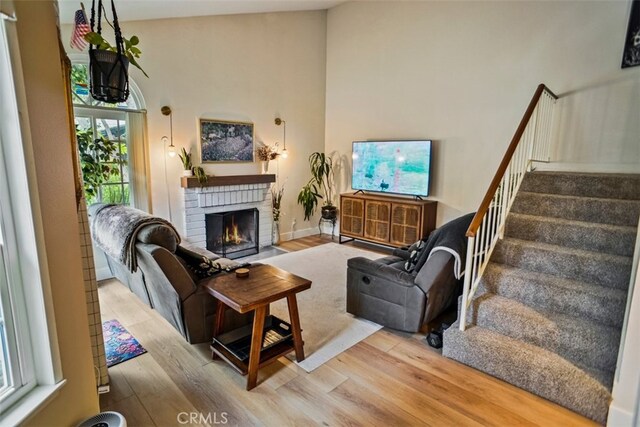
{"x":252,"y":68}
{"x":462,"y":74}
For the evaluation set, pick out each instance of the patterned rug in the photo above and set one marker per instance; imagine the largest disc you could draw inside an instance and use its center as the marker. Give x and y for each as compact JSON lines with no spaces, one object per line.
{"x":119,"y":344}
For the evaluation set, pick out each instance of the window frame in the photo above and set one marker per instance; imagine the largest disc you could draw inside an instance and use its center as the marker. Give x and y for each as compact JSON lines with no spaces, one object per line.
{"x":24,"y":254}
{"x":95,"y":114}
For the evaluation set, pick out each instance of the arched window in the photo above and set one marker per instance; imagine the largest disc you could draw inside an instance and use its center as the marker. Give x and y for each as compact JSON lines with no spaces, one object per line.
{"x":109,"y":136}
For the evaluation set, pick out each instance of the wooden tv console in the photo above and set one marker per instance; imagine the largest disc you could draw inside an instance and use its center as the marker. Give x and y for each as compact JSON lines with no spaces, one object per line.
{"x":386,"y":220}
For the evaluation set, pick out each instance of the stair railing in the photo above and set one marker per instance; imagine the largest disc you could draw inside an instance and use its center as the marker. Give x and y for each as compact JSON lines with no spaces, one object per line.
{"x":531,"y":142}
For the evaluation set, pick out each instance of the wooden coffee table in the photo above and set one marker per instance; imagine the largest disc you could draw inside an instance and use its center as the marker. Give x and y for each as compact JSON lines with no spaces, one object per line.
{"x":264,"y":285}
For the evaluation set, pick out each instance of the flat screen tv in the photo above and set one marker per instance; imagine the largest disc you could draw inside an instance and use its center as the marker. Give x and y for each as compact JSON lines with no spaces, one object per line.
{"x":398,"y":167}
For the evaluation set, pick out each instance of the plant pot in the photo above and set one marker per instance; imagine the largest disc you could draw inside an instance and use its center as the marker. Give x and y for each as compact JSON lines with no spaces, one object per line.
{"x":187,"y":172}
{"x":109,"y":76}
{"x":265,"y":166}
{"x":329,"y":212}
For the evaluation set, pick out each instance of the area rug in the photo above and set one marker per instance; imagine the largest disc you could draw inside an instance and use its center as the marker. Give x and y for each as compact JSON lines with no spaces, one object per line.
{"x":327,"y":329}
{"x":119,"y":344}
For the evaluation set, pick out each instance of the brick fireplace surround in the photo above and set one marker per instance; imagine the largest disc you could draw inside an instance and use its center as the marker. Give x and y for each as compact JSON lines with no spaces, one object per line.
{"x":224,"y":194}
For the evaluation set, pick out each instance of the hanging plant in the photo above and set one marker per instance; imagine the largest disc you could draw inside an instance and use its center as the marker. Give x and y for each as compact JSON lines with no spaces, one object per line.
{"x":131,"y":49}
{"x":109,"y":64}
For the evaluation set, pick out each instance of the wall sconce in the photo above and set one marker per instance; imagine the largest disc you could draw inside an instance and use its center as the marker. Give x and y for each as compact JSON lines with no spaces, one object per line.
{"x":284,"y":152}
{"x":171,"y":150}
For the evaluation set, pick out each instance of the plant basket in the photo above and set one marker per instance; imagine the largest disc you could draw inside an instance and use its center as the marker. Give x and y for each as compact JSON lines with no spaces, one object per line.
{"x":329,"y":212}
{"x":109,"y":76}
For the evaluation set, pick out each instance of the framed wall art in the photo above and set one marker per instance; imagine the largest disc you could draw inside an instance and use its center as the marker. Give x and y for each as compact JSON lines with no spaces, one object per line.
{"x":225,"y":141}
{"x":631,"y":55}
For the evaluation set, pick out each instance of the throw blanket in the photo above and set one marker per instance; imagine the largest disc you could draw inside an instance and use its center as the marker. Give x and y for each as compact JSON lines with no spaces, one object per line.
{"x":451,"y":238}
{"x":114,"y":229}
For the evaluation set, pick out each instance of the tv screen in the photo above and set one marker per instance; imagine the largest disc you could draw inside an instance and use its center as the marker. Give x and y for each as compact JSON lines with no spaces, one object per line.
{"x":399,"y":167}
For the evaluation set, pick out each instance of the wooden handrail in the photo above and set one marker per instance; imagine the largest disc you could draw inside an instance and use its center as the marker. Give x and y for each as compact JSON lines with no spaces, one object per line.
{"x":493,"y":187}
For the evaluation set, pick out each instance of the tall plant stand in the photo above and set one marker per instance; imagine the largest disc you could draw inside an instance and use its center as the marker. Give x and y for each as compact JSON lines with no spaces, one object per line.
{"x":333,"y":225}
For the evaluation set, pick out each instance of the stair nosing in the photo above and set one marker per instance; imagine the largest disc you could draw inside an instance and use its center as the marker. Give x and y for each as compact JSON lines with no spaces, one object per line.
{"x":561,"y":317}
{"x":569,"y":250}
{"x":558,"y":281}
{"x":587,"y":224}
{"x":530,"y":346}
{"x":569,"y":196}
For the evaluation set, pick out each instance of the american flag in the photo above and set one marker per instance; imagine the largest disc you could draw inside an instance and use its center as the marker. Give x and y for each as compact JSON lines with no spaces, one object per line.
{"x":80,"y":28}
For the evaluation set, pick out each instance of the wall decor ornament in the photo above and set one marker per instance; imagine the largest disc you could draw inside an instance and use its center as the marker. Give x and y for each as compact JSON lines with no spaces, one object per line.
{"x":631,"y":55}
{"x":225,"y":141}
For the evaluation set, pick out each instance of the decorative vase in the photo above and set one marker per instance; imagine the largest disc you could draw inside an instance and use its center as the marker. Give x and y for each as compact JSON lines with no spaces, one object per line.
{"x":265,"y":166}
{"x":275,"y":233}
{"x":187,"y":172}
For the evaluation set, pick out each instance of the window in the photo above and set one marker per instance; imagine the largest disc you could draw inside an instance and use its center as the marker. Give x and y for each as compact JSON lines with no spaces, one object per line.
{"x":15,"y":353}
{"x":103,"y":143}
{"x":29,"y":360}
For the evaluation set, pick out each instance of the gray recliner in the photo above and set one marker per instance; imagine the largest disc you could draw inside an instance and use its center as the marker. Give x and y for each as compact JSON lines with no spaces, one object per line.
{"x":383,"y":292}
{"x":164,"y":282}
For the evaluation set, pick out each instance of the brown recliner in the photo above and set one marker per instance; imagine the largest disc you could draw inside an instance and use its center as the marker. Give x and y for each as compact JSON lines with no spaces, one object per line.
{"x":164,"y":283}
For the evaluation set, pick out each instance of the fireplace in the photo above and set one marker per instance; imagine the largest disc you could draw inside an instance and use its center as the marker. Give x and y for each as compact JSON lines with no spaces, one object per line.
{"x":233,"y":234}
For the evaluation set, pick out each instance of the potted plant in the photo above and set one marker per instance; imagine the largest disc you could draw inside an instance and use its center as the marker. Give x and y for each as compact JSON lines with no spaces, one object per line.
{"x":109,"y":64}
{"x":320,"y":186}
{"x":186,"y":162}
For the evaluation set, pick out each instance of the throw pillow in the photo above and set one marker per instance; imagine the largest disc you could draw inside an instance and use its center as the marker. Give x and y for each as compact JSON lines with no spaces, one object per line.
{"x":414,"y":255}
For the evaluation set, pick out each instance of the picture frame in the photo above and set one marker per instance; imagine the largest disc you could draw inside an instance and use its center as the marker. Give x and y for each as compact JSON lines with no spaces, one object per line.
{"x":224,"y":141}
{"x":631,"y":55}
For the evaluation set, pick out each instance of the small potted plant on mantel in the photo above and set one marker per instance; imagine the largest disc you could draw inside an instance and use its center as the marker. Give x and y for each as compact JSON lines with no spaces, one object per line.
{"x":185,"y":158}
{"x":320,"y":186}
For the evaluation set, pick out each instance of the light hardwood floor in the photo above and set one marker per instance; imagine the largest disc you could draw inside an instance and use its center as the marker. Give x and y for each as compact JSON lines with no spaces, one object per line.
{"x":387,"y":379}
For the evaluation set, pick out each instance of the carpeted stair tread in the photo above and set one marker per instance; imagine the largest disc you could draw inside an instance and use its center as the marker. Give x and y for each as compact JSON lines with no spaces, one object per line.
{"x":580,"y":341}
{"x":618,"y":186}
{"x":577,"y":264}
{"x":529,"y":367}
{"x":547,"y":292}
{"x":590,"y":209}
{"x":606,"y":238}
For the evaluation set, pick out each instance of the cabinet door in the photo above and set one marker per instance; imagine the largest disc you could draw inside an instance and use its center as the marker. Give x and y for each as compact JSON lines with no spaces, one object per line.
{"x":376,"y":224}
{"x":405,"y":224}
{"x":352,"y":216}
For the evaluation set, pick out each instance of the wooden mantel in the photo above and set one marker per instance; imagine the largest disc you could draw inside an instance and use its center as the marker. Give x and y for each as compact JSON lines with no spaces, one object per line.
{"x":216,"y":181}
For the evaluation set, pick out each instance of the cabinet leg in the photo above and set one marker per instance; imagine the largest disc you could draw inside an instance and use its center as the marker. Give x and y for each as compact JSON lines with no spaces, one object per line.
{"x":256,"y":346}
{"x":218,"y":328}
{"x":295,"y":327}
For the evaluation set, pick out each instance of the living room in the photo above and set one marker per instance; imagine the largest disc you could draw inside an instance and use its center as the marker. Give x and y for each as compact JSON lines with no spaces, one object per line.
{"x":458,"y":74}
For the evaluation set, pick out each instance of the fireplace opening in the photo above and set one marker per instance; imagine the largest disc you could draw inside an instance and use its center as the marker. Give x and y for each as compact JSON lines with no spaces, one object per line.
{"x":233,"y":234}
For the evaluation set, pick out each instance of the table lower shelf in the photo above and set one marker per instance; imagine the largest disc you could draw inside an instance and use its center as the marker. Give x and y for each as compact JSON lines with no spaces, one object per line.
{"x":267,"y":356}
{"x":234,"y":346}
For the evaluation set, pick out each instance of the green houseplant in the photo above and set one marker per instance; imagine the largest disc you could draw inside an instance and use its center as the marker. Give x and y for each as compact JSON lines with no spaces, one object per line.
{"x":99,"y":161}
{"x":109,"y":64}
{"x":320,"y":186}
{"x":185,"y":158}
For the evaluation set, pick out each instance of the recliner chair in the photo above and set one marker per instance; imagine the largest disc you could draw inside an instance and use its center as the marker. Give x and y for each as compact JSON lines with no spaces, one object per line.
{"x":165,"y":283}
{"x":383,"y":292}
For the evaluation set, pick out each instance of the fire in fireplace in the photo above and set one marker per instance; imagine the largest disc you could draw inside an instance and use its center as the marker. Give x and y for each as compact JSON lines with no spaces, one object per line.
{"x":233,"y":234}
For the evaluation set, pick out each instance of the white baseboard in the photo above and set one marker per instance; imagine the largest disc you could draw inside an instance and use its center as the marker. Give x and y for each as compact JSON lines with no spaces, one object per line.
{"x":618,"y":417}
{"x":299,"y":233}
{"x":588,"y":167}
{"x":103,"y":273}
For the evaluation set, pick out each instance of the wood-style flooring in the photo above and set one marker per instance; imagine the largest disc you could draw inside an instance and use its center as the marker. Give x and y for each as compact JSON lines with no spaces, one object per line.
{"x":389,"y":379}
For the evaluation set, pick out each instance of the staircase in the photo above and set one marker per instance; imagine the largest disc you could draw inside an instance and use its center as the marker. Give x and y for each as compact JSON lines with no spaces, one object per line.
{"x":548,"y":310}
